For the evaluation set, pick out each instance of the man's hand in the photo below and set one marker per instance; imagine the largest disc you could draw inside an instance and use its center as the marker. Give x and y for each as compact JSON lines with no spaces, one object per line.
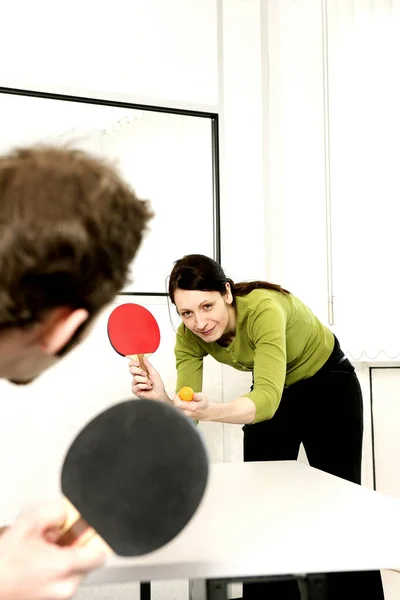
{"x":33,"y":567}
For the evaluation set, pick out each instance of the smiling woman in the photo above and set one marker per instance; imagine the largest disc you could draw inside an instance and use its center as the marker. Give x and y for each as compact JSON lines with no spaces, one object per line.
{"x":304,"y":389}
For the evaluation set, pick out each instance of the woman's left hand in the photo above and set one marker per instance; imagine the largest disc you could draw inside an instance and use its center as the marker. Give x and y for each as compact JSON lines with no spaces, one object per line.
{"x":198,"y":408}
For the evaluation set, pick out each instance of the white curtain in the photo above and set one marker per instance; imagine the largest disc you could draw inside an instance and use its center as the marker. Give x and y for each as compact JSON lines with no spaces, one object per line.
{"x":364,"y":123}
{"x":333,"y":112}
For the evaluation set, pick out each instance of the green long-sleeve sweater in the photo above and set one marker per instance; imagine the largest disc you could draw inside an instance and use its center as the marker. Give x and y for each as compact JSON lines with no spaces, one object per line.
{"x":277,"y":337}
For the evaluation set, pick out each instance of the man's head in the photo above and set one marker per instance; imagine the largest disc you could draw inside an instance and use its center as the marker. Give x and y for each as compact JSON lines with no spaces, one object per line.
{"x":69,"y":229}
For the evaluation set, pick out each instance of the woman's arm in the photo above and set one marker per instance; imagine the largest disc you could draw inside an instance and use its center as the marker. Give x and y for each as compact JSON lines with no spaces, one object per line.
{"x":239,"y":411}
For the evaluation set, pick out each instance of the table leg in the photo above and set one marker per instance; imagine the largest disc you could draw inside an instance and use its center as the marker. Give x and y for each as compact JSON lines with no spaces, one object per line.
{"x":313,"y":587}
{"x":217,"y":589}
{"x":145,"y":590}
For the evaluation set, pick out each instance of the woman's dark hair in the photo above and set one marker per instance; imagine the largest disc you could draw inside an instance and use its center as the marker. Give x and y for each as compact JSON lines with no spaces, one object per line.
{"x":199,"y":272}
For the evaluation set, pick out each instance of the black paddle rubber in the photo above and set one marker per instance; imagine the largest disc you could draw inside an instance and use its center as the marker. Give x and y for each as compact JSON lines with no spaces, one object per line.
{"x":136,"y":473}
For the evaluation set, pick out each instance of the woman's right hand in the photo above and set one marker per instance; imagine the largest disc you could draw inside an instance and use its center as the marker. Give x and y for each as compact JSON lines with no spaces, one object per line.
{"x":147,"y":386}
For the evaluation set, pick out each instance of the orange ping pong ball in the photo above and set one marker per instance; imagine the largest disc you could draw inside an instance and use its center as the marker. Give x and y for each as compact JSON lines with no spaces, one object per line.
{"x":186,"y":393}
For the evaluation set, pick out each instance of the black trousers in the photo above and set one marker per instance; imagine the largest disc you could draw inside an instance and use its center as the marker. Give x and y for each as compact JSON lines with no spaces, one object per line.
{"x":325,"y":413}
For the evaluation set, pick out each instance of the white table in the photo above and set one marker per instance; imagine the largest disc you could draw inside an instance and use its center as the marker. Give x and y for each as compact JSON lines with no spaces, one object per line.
{"x":270,"y":519}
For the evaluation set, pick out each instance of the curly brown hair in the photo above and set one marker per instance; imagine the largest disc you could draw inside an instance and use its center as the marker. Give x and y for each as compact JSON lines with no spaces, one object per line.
{"x":69,"y":229}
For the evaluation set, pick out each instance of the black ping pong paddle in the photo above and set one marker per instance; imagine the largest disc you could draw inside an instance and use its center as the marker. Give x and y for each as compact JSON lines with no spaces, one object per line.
{"x":132,"y":478}
{"x":136,"y":474}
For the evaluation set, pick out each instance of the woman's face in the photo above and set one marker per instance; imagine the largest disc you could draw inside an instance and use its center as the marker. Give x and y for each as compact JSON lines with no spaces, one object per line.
{"x":207,"y":314}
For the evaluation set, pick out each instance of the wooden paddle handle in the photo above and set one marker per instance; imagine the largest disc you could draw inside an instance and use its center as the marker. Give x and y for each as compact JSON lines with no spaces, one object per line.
{"x":140,"y":358}
{"x":76,"y":531}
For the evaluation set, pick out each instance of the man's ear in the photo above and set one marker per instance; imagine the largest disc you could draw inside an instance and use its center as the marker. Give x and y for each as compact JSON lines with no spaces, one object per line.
{"x":59,"y":326}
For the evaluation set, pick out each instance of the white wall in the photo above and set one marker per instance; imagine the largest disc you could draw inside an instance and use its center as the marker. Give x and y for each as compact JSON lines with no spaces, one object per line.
{"x":167,"y":53}
{"x":239,"y":92}
{"x":142,"y":48}
{"x":295,"y":220}
{"x":385,"y":388}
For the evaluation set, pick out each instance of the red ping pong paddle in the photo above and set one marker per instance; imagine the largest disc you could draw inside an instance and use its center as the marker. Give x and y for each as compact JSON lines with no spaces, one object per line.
{"x":133,"y":331}
{"x":132,"y":478}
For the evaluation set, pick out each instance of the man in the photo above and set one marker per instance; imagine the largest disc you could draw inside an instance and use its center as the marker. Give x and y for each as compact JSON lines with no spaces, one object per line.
{"x":69,"y":229}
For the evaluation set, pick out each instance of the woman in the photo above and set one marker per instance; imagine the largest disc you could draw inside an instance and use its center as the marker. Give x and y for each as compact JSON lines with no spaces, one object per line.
{"x":304,"y":388}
